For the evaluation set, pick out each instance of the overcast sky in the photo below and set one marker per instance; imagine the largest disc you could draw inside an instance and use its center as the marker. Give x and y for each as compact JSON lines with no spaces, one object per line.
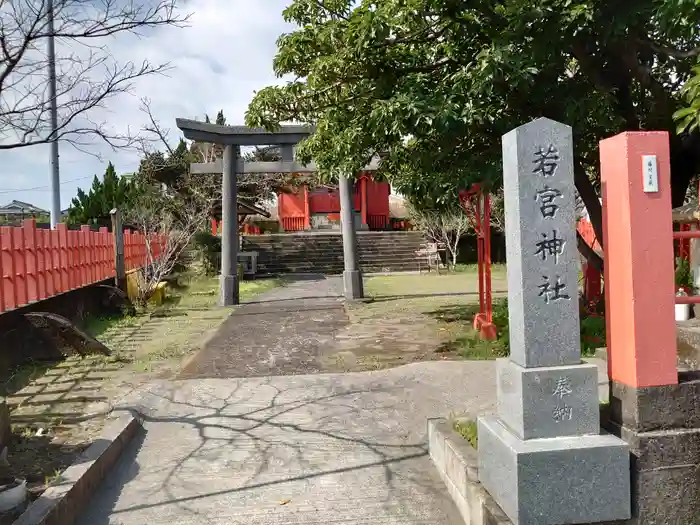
{"x":219,"y":62}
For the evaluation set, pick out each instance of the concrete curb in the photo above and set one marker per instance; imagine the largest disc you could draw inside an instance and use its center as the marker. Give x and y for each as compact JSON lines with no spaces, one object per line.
{"x":62,"y":503}
{"x":457,"y":463}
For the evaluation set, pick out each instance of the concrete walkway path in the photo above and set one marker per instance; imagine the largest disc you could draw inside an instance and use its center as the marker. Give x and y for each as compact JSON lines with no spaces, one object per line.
{"x":300,"y":449}
{"x":282,"y":332}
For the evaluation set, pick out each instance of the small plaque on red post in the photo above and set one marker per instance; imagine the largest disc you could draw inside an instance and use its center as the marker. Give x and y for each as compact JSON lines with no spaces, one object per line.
{"x":650,"y":173}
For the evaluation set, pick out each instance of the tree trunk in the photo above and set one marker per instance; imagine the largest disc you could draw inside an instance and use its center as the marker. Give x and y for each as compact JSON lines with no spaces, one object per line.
{"x":5,"y":429}
{"x":595,"y":214}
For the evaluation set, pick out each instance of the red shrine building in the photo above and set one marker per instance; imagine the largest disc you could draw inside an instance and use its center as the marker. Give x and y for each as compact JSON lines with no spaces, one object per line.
{"x":319,"y":209}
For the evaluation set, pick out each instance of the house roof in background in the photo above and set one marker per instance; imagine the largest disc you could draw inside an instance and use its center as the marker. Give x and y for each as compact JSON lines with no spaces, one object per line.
{"x":244,"y":208}
{"x":21,"y":208}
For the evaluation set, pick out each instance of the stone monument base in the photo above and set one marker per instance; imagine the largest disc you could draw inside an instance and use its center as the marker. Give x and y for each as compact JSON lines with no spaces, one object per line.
{"x":525,"y":399}
{"x":662,"y":426}
{"x":554,"y":481}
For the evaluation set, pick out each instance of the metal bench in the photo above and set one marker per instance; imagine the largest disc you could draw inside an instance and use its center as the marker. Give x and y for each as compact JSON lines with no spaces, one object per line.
{"x":430,"y":254}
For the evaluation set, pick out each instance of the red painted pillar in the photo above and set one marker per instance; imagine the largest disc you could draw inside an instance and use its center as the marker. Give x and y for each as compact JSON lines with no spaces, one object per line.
{"x":638,"y":233}
{"x":307,"y":210}
{"x":363,"y":199}
{"x":592,"y":283}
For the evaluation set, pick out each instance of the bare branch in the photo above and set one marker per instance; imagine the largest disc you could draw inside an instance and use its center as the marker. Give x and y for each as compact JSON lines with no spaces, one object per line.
{"x":87,"y":77}
{"x":668,"y":50}
{"x":168,"y":220}
{"x":444,"y":227}
{"x":154,"y":127}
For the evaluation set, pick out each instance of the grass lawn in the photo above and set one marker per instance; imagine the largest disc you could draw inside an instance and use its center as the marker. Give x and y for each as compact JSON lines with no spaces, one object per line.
{"x":165,"y":334}
{"x":443,"y":305}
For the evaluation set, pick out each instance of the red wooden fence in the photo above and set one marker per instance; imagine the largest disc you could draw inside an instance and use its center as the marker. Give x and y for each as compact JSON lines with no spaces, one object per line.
{"x":293,"y":224}
{"x":36,"y":264}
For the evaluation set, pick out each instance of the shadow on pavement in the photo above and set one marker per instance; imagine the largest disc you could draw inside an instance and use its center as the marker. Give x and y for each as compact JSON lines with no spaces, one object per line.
{"x":237,"y":455}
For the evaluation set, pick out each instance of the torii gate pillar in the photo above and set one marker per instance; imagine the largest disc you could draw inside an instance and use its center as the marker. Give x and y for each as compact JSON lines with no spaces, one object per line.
{"x":352,"y":276}
{"x":229,"y":285}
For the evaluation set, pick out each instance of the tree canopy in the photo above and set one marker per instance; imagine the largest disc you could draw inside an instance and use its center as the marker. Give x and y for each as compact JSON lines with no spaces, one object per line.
{"x":94,"y":206}
{"x":432,"y":85}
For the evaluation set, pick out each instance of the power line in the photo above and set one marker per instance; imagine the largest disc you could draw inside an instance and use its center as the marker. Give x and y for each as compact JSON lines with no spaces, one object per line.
{"x":36,"y":188}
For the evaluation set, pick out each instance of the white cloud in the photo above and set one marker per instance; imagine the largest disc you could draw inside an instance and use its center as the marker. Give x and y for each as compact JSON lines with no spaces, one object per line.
{"x":219,"y":61}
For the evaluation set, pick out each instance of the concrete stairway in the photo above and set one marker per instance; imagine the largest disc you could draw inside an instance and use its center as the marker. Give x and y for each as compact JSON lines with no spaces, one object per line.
{"x":323,"y":252}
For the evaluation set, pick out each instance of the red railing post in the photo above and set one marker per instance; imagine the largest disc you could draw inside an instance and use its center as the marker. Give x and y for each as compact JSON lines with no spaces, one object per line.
{"x":86,"y":255}
{"x":51,"y":263}
{"x":3,"y":277}
{"x":2,"y":273}
{"x":478,"y":203}
{"x":42,"y":271}
{"x":28,"y":245}
{"x":62,"y":236}
{"x":487,"y":258}
{"x":8,"y":265}
{"x":127,"y":249}
{"x":20,"y":266}
{"x":104,"y":265}
{"x":74,"y":240}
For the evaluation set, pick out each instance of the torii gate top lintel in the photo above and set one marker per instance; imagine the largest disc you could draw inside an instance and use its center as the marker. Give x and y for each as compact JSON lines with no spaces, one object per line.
{"x":242,"y":135}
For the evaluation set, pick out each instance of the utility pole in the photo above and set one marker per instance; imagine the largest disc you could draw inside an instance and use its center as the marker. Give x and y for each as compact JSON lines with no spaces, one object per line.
{"x":53,"y":161}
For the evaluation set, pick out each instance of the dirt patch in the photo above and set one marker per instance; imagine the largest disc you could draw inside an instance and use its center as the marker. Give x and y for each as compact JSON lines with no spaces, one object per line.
{"x":412,"y":318}
{"x":58,"y":409}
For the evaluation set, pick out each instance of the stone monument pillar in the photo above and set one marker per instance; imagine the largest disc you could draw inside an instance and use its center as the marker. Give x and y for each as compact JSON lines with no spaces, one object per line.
{"x":542,"y":457}
{"x":652,"y":407}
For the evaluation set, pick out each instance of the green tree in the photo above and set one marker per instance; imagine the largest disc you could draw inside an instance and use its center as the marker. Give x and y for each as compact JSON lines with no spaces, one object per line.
{"x":94,"y":206}
{"x":688,"y":118}
{"x":434,"y":84}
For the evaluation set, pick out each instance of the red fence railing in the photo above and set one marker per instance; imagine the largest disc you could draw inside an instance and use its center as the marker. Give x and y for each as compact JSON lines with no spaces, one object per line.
{"x":36,"y":263}
{"x":293,"y":224}
{"x":378,"y":222}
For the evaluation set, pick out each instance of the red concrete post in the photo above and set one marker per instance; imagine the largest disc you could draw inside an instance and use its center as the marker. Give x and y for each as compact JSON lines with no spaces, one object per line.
{"x":363,"y":199}
{"x":592,"y":285}
{"x":638,"y":233}
{"x":307,"y":209}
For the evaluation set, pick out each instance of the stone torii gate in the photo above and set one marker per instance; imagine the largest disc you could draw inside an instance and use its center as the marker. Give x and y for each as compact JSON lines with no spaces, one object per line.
{"x":286,"y":137}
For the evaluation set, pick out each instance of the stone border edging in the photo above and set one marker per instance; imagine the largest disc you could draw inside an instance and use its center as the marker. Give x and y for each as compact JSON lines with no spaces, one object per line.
{"x":62,"y":503}
{"x":457,"y":463}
